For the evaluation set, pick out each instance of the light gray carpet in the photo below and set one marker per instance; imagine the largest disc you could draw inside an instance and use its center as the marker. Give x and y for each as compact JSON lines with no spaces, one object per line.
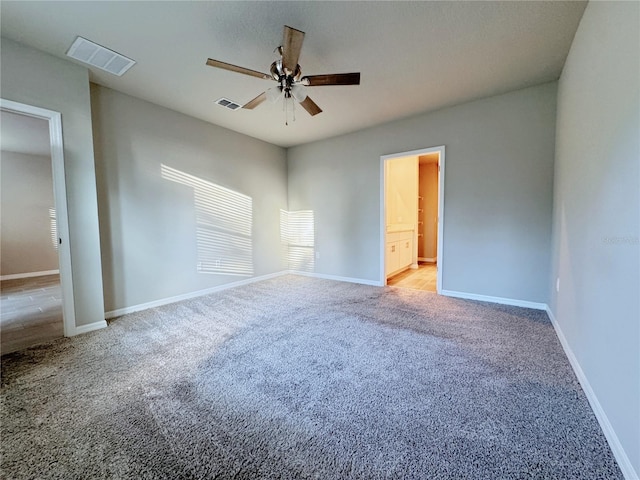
{"x":300,"y":378}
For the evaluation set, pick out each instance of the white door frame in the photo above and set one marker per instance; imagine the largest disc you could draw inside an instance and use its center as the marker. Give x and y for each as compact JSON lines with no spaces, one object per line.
{"x":60,"y":203}
{"x":383,"y":200}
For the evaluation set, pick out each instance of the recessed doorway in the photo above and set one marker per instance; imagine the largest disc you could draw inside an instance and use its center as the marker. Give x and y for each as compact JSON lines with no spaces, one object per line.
{"x":412,"y":206}
{"x":37,"y":290}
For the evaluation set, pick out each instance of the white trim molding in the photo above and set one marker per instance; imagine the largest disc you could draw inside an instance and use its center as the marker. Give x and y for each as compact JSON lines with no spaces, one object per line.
{"x":90,"y":327}
{"x":186,"y":296}
{"x":614,"y":443}
{"x":15,"y":276}
{"x":199,"y":293}
{"x":363,"y":281}
{"x":500,"y":300}
{"x":427,"y":259}
{"x":54,"y":120}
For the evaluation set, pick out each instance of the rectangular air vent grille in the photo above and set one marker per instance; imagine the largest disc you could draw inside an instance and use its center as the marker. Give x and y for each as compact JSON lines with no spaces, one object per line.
{"x":98,"y":56}
{"x":225,"y":102}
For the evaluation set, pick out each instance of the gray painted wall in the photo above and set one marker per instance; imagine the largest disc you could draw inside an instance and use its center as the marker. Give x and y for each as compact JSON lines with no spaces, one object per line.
{"x":597,"y":209}
{"x":26,"y":195}
{"x":498,"y":192}
{"x":149,"y":223}
{"x":35,"y":78}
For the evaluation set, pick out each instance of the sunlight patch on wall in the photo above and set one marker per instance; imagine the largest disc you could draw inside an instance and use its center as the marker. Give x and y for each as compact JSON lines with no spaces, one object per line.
{"x":223,"y":225}
{"x":53,"y":228}
{"x":297,"y":236}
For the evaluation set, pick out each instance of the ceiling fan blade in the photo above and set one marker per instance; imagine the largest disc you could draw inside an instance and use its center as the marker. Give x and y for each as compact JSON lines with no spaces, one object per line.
{"x":331,"y":79}
{"x":234,"y":68}
{"x":251,"y":104}
{"x":310,"y":106}
{"x":291,"y":45}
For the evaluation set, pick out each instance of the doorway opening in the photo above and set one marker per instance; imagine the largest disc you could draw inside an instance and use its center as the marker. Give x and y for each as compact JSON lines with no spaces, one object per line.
{"x":411,"y":230}
{"x":35,"y":275}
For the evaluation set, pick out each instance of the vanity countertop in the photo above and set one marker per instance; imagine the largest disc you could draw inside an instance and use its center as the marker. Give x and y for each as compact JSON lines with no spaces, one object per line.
{"x":400,"y":227}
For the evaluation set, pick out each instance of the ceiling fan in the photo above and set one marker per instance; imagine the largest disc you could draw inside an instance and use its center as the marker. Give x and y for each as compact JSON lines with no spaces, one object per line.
{"x":288,"y":75}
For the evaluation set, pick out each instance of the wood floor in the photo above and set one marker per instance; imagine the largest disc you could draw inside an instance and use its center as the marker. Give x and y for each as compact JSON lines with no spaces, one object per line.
{"x":424,"y":278}
{"x":30,"y":312}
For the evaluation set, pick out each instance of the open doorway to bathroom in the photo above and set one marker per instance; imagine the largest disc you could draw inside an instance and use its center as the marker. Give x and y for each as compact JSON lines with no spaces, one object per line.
{"x":412,"y":208}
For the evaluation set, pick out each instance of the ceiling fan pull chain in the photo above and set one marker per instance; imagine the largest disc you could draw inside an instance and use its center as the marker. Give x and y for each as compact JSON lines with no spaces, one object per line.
{"x":284,"y":107}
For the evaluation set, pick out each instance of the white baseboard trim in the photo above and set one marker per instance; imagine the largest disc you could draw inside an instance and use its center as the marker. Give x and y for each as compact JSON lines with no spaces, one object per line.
{"x":614,"y":443}
{"x":427,"y":259}
{"x":89,"y":328}
{"x":29,"y":274}
{"x":363,"y":281}
{"x":500,"y":300}
{"x":186,"y":296}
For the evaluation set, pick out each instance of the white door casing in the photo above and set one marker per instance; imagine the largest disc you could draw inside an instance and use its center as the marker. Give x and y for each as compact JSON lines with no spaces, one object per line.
{"x":60,"y":199}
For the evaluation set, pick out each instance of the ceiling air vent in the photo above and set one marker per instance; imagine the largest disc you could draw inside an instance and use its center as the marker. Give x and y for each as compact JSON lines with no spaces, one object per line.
{"x":98,"y":56}
{"x":225,"y":102}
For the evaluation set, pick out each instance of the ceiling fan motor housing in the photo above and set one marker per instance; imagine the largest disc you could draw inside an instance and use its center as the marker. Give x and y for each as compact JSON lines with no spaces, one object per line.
{"x":285,"y":79}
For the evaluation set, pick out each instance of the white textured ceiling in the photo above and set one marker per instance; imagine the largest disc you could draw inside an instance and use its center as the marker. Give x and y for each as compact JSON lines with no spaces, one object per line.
{"x":413,"y":56}
{"x":24,"y":134}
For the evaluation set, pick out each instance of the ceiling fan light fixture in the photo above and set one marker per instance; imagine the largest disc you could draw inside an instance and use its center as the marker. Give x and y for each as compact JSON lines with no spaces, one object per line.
{"x":299,"y":92}
{"x":274,"y":93}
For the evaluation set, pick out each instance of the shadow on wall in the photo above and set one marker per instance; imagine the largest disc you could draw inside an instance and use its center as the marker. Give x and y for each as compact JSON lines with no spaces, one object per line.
{"x":297,"y":236}
{"x":223,"y":225}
